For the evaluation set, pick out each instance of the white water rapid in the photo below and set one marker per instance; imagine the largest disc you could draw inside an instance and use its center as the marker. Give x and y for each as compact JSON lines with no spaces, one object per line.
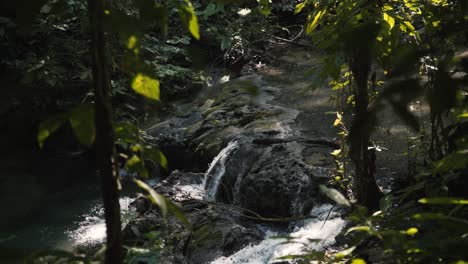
{"x":272,"y":248}
{"x":215,"y":172}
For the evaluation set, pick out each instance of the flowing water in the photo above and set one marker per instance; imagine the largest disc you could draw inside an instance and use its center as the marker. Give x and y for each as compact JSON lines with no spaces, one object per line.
{"x":276,"y":245}
{"x":215,"y":172}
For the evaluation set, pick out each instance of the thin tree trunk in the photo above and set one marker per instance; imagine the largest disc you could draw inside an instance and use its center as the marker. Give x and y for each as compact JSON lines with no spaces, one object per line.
{"x":366,"y":190}
{"x":106,"y":163}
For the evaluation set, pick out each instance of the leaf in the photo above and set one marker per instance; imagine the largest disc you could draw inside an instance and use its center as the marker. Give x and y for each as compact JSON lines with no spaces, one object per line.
{"x":366,"y":229}
{"x":126,"y":132}
{"x":175,"y":210}
{"x":389,"y":19}
{"x":135,"y":164}
{"x":188,"y":17}
{"x":358,"y":261}
{"x":48,"y":127}
{"x":154,"y":197}
{"x":315,"y":22}
{"x":443,"y":200}
{"x":336,"y":152}
{"x":82,"y":122}
{"x":335,"y":196}
{"x":344,"y":253}
{"x":146,"y":86}
{"x":264,"y":7}
{"x":299,"y":7}
{"x":157,"y":156}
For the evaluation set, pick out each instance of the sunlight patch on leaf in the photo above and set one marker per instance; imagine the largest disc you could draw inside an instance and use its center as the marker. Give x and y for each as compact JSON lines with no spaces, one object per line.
{"x":188,"y":17}
{"x":299,"y":7}
{"x":443,"y":200}
{"x":146,"y":86}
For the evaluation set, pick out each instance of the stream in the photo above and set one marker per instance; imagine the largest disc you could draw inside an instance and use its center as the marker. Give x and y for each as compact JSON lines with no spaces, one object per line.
{"x":277,"y":177}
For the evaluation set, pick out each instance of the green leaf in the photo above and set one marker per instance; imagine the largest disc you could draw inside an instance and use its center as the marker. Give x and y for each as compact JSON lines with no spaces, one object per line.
{"x":188,"y":17}
{"x":146,"y":86}
{"x":299,"y":7}
{"x":156,"y":155}
{"x":264,"y":7}
{"x":135,"y":164}
{"x":48,"y":127}
{"x":154,"y":197}
{"x":344,"y":253}
{"x":335,"y":196}
{"x":358,"y":261}
{"x":126,"y":132}
{"x":175,"y":210}
{"x":443,"y":200}
{"x":366,"y":229}
{"x":389,"y":19}
{"x":315,"y":22}
{"x":82,"y":122}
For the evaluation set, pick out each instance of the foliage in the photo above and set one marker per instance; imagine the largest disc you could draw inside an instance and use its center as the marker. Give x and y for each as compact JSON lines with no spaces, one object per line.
{"x":406,"y":49}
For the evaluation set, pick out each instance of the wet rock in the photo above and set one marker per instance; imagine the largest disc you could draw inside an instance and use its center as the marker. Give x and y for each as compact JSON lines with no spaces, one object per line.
{"x":280,"y":184}
{"x":215,"y":232}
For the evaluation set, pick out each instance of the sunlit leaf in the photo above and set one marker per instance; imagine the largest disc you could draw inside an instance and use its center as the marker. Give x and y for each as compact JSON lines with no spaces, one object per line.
{"x":411,"y":231}
{"x":154,"y":197}
{"x":82,"y":122}
{"x":358,"y":261}
{"x":299,"y":7}
{"x":335,"y":195}
{"x":443,"y":200}
{"x":344,"y":253}
{"x":318,"y":16}
{"x":146,"y":86}
{"x":390,"y":20}
{"x":366,"y":229}
{"x":336,"y":152}
{"x":188,"y":17}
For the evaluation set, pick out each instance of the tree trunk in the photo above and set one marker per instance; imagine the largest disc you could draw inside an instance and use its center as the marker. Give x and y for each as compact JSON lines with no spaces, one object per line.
{"x":366,"y":190}
{"x":106,"y":163}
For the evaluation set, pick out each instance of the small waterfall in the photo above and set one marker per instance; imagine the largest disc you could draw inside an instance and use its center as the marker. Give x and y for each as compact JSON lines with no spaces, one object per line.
{"x":272,"y":248}
{"x":215,"y":172}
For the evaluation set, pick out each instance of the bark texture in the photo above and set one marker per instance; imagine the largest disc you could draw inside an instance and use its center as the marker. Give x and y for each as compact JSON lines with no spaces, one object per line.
{"x":106,"y":164}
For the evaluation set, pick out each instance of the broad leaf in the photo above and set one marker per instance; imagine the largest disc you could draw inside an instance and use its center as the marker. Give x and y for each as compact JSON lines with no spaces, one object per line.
{"x":146,"y":86}
{"x":188,"y":17}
